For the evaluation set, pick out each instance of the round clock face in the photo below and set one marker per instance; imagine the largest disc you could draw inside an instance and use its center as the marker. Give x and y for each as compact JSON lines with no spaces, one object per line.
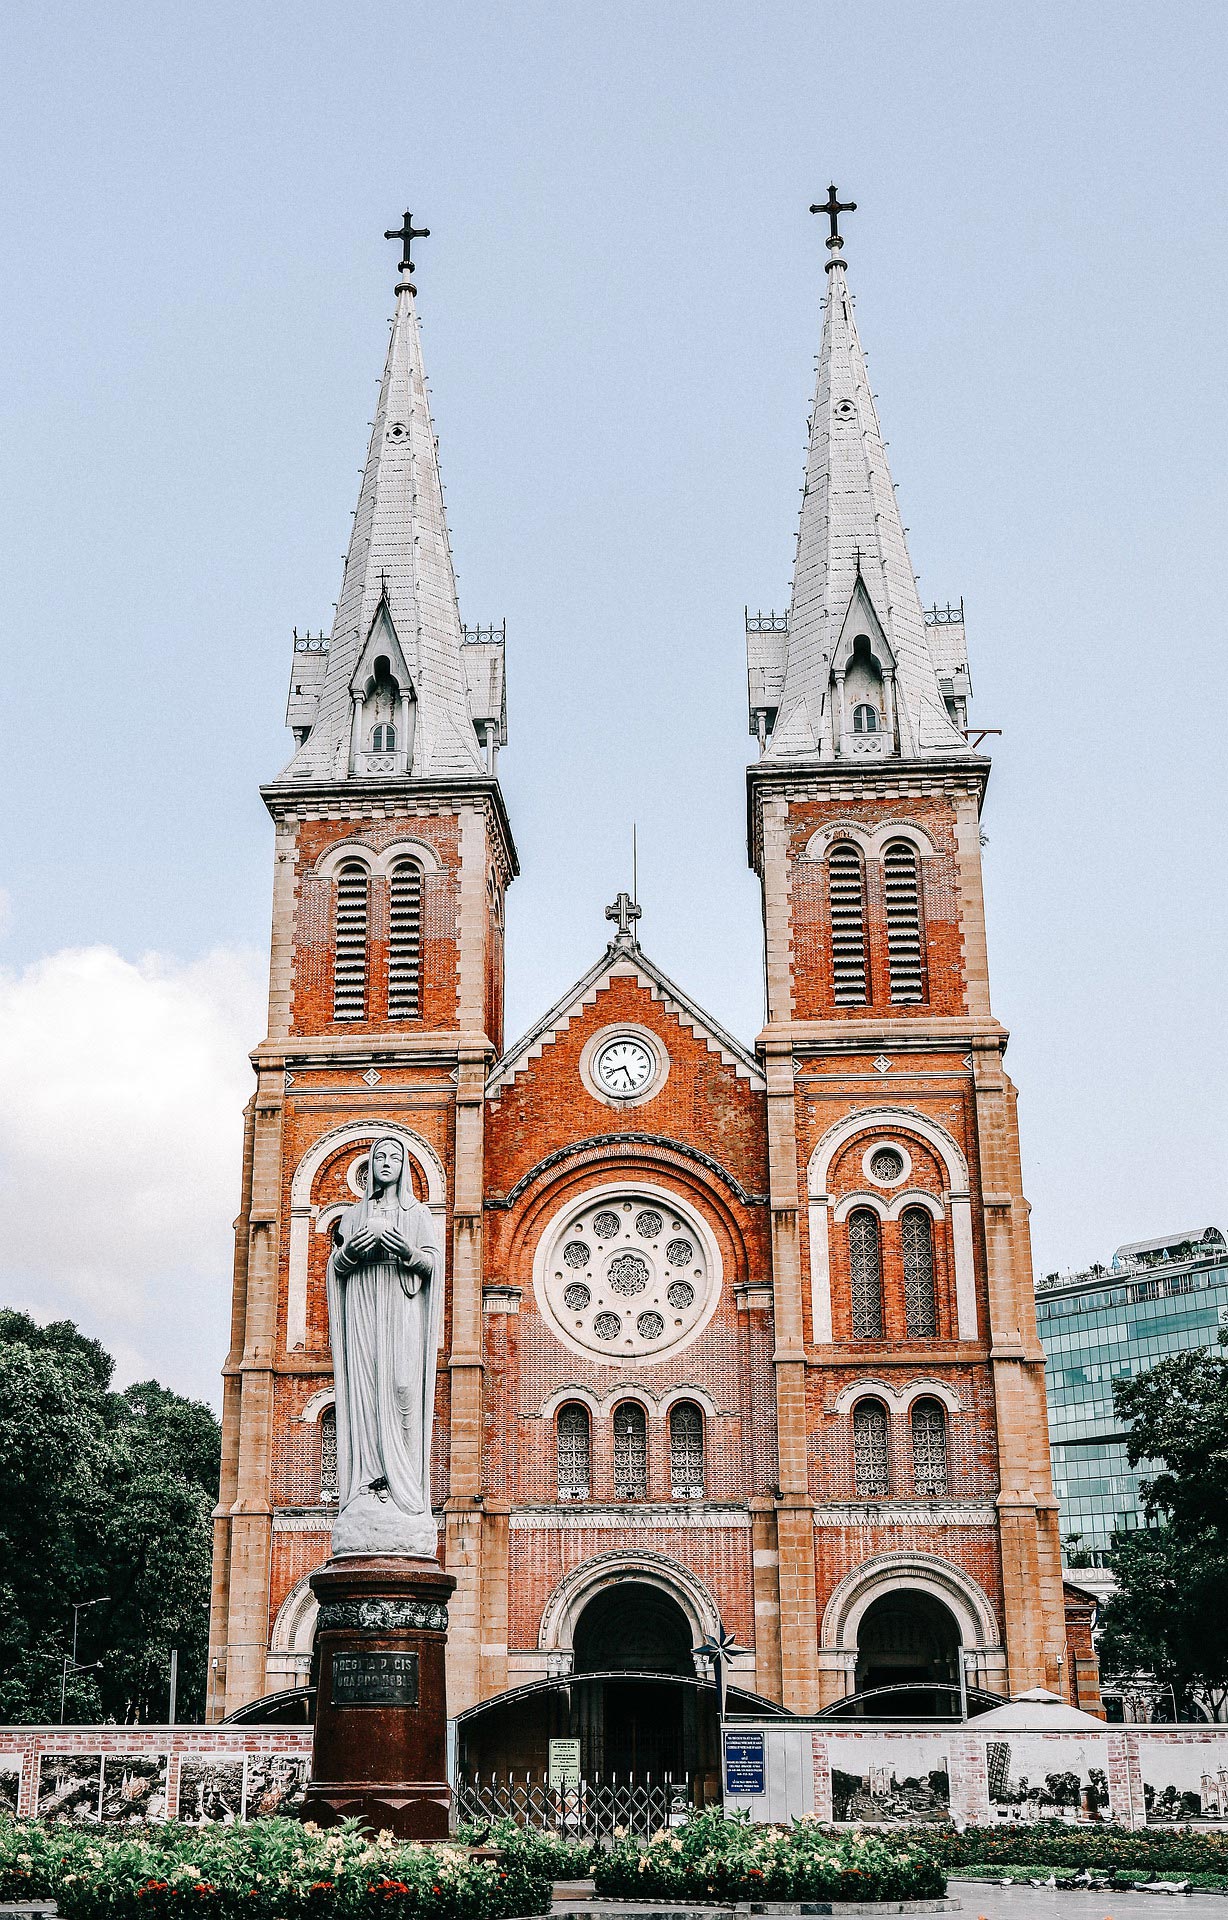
{"x":624,"y":1066}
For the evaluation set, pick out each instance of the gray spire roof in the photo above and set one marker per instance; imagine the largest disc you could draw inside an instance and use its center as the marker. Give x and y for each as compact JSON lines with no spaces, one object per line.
{"x":850,"y":524}
{"x":399,"y":559}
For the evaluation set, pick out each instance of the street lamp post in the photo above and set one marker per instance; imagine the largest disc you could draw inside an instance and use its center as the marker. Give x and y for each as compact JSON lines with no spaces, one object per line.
{"x":70,"y":1665}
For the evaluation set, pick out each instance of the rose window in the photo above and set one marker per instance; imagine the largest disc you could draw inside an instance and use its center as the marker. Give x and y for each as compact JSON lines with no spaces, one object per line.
{"x":886,"y":1165}
{"x":627,"y":1275}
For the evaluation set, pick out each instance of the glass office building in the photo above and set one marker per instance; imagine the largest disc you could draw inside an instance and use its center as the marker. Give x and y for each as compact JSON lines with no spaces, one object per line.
{"x":1158,"y":1297}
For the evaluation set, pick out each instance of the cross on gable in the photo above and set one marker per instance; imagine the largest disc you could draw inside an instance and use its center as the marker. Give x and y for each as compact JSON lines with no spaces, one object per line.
{"x":406,"y":233}
{"x":626,"y":912}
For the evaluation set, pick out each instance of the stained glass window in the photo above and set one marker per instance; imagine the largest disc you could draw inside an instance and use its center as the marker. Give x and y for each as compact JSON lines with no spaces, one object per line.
{"x":328,"y":1456}
{"x":866,"y":1275}
{"x":574,"y":1453}
{"x":871,"y":1455}
{"x":929,"y":1450}
{"x":917,"y":1247}
{"x":686,"y":1451}
{"x":630,"y":1451}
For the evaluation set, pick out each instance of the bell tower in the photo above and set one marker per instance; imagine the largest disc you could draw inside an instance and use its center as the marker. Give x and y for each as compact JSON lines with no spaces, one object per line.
{"x":392,"y":857}
{"x":913,"y":1455}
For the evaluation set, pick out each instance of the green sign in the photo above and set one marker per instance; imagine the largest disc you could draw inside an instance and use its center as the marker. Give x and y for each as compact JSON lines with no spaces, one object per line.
{"x":563,"y":1771}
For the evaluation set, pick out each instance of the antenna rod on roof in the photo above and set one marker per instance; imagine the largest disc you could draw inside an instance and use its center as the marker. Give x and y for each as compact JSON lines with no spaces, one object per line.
{"x":635,"y":883}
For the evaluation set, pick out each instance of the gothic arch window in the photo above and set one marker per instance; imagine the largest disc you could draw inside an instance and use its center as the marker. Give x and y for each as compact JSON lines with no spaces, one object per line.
{"x":871,"y":1450}
{"x":929,"y":1450}
{"x":846,"y":896}
{"x":917,"y":1248}
{"x":573,"y":1440}
{"x":350,"y":963}
{"x":405,"y":941}
{"x":905,"y":941}
{"x":865,"y":1274}
{"x":630,"y":1451}
{"x":865,"y":719}
{"x":686,"y":1451}
{"x":328,"y":1457}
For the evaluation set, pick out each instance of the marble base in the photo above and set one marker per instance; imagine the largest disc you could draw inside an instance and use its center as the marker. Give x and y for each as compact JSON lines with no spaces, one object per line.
{"x":380,"y":1748}
{"x":374,"y":1527}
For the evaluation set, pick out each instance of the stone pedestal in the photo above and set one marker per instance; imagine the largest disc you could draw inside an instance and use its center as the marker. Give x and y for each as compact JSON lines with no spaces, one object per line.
{"x":380,"y":1750}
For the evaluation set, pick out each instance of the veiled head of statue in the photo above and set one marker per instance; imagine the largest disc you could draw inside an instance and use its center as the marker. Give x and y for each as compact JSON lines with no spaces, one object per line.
{"x":386,"y":1167}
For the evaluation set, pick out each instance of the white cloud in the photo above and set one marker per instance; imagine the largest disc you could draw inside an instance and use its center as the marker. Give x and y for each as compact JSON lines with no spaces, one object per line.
{"x":120,"y":1140}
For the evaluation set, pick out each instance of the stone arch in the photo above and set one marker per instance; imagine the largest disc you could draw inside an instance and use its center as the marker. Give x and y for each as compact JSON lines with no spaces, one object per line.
{"x":293,"y":1637}
{"x":886,"y":1120}
{"x":556,"y":1633}
{"x":320,"y":1401}
{"x":303,"y":1213}
{"x":922,"y":1572}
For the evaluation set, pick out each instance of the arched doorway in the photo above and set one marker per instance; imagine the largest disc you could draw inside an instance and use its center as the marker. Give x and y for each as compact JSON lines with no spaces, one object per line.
{"x":637,"y":1728}
{"x":909,"y":1638}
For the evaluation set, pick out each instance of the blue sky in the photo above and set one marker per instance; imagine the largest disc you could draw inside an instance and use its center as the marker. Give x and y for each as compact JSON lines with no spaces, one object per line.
{"x":620,"y":305}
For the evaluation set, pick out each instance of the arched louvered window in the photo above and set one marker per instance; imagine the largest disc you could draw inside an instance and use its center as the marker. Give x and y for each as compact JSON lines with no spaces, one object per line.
{"x":905,"y":942}
{"x":846,"y":895}
{"x":405,"y":941}
{"x":929,"y":1450}
{"x":917,"y":1247}
{"x":686,"y":1451}
{"x":871,"y":1450}
{"x":575,"y":1466}
{"x":630,"y":1451}
{"x":865,"y":1274}
{"x":328,"y":1457}
{"x":865,"y":719}
{"x":350,"y":964}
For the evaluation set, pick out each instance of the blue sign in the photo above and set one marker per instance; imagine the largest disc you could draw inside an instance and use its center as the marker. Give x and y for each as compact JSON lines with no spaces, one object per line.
{"x":745,"y":1768}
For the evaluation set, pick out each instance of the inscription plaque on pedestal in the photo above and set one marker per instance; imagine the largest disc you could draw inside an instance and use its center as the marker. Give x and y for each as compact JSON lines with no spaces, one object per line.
{"x":375,"y":1679}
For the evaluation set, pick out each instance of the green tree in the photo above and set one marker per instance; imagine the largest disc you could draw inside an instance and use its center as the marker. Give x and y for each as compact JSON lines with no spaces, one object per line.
{"x":100,"y":1493}
{"x":1166,"y":1617}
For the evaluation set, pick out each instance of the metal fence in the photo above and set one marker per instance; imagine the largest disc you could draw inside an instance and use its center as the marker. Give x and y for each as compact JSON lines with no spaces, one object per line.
{"x":590,"y":1810}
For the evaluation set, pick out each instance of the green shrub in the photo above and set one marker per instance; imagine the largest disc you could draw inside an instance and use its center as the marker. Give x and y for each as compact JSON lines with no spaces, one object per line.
{"x":549,"y":1853}
{"x":713,"y":1857}
{"x":1169,"y":1852}
{"x":268,"y":1870}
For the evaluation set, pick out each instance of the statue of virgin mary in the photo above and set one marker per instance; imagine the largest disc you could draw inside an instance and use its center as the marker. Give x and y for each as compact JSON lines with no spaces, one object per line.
{"x":385,"y":1307}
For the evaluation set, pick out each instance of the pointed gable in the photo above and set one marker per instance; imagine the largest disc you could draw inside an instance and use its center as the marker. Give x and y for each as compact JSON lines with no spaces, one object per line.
{"x":622,"y":962}
{"x":851,"y":542}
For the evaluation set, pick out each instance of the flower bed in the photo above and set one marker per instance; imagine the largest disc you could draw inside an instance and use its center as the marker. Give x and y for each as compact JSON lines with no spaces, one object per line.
{"x":714,"y":1857}
{"x":269,"y":1870}
{"x":1169,"y":1852}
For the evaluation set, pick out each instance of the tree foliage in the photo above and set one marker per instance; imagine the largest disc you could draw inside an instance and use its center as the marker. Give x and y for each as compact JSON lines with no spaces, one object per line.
{"x":101,"y":1492}
{"x":1167,"y":1614}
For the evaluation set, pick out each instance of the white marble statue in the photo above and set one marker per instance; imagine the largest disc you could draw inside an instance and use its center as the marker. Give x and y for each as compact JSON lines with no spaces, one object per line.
{"x":385,"y":1304}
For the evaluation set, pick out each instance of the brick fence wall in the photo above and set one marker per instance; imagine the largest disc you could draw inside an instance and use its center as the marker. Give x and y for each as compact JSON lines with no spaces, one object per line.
{"x":117,"y":1773}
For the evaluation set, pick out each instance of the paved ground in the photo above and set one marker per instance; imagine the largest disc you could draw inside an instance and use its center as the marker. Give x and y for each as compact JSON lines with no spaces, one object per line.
{"x":1054,"y":1903}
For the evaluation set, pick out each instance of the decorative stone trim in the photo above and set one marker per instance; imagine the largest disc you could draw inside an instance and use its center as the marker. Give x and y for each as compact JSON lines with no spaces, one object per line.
{"x":596,"y":1141}
{"x":382,"y":1616}
{"x":900,"y":1513}
{"x":629,"y":1519}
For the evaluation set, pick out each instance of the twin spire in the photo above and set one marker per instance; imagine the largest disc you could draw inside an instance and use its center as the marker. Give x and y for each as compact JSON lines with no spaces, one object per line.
{"x":398,"y":600}
{"x":858,"y":673}
{"x":852,"y":671}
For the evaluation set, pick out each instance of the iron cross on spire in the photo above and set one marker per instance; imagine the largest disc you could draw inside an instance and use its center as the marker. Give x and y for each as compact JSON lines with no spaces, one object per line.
{"x":406,"y":233}
{"x":833,"y":207}
{"x":625,"y":911}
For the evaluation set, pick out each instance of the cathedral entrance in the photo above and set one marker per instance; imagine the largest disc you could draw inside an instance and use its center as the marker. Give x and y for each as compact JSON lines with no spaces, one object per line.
{"x":909,"y":1641}
{"x":637,"y":1728}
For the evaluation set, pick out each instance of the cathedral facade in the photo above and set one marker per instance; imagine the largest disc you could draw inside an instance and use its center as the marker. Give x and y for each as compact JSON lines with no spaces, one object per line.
{"x":738,"y":1339}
